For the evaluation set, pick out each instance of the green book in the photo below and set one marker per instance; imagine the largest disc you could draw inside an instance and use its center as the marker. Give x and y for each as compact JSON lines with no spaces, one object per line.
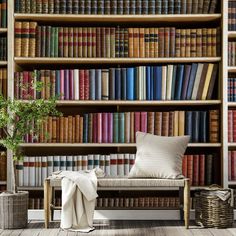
{"x":121,"y":127}
{"x":56,"y":42}
{"x":116,"y":127}
{"x":52,"y":39}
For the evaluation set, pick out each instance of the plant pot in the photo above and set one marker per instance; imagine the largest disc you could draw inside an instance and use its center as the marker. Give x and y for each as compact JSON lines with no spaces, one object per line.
{"x":14,"y":210}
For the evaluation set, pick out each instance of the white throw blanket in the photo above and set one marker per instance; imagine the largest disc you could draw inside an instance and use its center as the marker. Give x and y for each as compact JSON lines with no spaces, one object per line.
{"x":79,"y":193}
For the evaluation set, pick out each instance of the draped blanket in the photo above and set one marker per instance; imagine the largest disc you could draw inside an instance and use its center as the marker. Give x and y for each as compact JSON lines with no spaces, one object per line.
{"x":79,"y":193}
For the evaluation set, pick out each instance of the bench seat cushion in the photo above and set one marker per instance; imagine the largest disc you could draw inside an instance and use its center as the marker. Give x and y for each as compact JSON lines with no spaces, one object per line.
{"x":125,"y":182}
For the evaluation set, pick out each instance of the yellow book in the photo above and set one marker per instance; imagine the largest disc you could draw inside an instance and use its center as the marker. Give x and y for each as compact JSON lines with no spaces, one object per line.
{"x":207,"y":81}
{"x":176,"y":123}
{"x":181,"y":122}
{"x":163,"y":88}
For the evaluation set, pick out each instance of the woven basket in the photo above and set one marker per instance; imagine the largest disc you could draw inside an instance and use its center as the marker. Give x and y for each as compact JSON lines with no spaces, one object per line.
{"x":14,"y":210}
{"x":211,"y":211}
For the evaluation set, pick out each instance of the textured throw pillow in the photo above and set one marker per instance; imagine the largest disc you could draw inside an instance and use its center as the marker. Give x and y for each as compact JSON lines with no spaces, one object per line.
{"x":158,"y":156}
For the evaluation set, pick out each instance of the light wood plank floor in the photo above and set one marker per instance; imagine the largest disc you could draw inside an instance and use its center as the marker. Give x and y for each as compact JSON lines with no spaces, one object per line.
{"x":118,"y":228}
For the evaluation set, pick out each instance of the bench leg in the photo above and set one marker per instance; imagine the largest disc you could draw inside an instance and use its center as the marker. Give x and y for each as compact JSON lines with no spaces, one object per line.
{"x":46,"y":202}
{"x":186,"y":203}
{"x":181,"y":206}
{"x":52,"y":203}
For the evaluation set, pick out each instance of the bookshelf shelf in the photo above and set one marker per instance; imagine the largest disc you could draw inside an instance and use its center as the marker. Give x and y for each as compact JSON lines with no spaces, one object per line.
{"x":231,"y":104}
{"x":231,"y":68}
{"x":51,"y":60}
{"x":3,"y":30}
{"x":231,"y":34}
{"x":3,"y":63}
{"x":137,"y":103}
{"x":3,"y":182}
{"x":232,"y":182}
{"x":119,"y":18}
{"x":100,"y":145}
{"x":232,"y":145}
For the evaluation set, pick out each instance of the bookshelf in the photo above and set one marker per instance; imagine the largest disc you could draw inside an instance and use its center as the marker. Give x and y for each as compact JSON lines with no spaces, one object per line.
{"x":200,"y":20}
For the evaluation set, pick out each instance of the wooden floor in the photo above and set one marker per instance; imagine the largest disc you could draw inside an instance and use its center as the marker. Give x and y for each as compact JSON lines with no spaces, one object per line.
{"x":115,"y":228}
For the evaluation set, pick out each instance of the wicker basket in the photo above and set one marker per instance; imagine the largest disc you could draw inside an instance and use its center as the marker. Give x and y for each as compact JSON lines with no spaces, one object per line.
{"x":211,"y":211}
{"x":13,"y":210}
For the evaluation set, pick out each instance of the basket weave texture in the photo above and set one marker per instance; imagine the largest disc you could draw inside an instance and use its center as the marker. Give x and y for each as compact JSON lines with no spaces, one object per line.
{"x":211,"y":211}
{"x":14,"y":210}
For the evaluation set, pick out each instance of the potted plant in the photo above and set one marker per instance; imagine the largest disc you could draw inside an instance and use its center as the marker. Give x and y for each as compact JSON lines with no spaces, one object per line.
{"x":15,"y":120}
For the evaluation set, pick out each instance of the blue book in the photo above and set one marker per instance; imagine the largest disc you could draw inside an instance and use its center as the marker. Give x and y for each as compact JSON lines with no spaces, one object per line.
{"x":195,"y":126}
{"x":118,"y":84}
{"x":130,"y":84}
{"x":173,"y":82}
{"x":85,"y":128}
{"x":191,"y":80}
{"x":179,"y":82}
{"x":203,"y":127}
{"x":92,"y":84}
{"x":123,"y":84}
{"x":98,"y":85}
{"x":188,"y":124}
{"x":58,"y":83}
{"x":112,"y":84}
{"x":148,"y":82}
{"x":157,"y":83}
{"x":67,"y":85}
{"x":152,"y":82}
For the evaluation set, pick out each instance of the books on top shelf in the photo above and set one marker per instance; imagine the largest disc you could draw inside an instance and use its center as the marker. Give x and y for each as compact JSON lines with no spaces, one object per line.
{"x":231,"y":15}
{"x":114,"y":7}
{"x":33,"y":40}
{"x":170,"y":82}
{"x":202,"y":126}
{"x":3,"y":14}
{"x":3,"y":48}
{"x":34,"y":169}
{"x":231,"y":126}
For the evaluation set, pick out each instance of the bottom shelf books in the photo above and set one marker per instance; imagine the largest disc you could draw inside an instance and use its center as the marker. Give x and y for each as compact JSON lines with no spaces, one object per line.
{"x":33,"y":170}
{"x":232,"y":165}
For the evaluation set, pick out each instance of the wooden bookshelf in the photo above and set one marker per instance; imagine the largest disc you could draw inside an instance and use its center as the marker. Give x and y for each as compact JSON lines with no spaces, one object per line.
{"x":232,"y":34}
{"x":3,"y":30}
{"x":136,"y":103}
{"x":119,"y":18}
{"x":59,"y":60}
{"x":3,"y":63}
{"x":18,"y":63}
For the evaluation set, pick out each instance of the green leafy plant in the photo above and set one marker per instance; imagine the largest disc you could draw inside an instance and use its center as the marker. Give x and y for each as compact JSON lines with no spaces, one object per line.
{"x":16,"y":118}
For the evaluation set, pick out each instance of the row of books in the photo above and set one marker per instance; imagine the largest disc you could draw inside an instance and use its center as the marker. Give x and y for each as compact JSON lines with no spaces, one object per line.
{"x":231,"y":126}
{"x":199,"y":169}
{"x":232,"y":54}
{"x":3,"y":13}
{"x":138,"y":202}
{"x":33,"y":170}
{"x":169,"y":82}
{"x":231,"y":15}
{"x":37,"y":203}
{"x":201,"y":126}
{"x":3,"y":48}
{"x":232,"y":165}
{"x":109,"y":42}
{"x":116,"y":7}
{"x":3,"y":82}
{"x":3,"y":166}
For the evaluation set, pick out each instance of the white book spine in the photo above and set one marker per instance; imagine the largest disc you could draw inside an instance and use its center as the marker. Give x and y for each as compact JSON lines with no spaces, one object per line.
{"x":84,"y":162}
{"x":131,"y":160}
{"x":63,"y":163}
{"x":169,"y":81}
{"x":40,"y":183}
{"x":113,"y":164}
{"x":96,"y":161}
{"x":126,"y":164}
{"x":69,"y":161}
{"x":120,"y":165}
{"x":197,"y":81}
{"x":107,"y":165}
{"x":75,"y":163}
{"x":90,"y":162}
{"x":56,"y":165}
{"x":76,"y":84}
{"x":163,"y":89}
{"x":50,"y":165}
{"x":31,"y":171}
{"x":102,"y":162}
{"x":79,"y":162}
{"x":20,"y":173}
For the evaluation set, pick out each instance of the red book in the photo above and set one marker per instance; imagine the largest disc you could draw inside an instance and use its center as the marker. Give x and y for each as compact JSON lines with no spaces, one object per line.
{"x":25,"y":90}
{"x":230,"y":126}
{"x":137,"y":126}
{"x":104,"y":127}
{"x":110,"y":127}
{"x":195,"y":170}
{"x":144,"y":122}
{"x":190,"y":169}
{"x":31,"y":82}
{"x":229,"y":165}
{"x":99,"y":133}
{"x":233,"y":165}
{"x":234,"y":125}
{"x":185,"y":165}
{"x":95,"y":128}
{"x":81,"y":84}
{"x":71,"y":85}
{"x":86,"y":84}
{"x":62,"y":91}
{"x":201,"y":170}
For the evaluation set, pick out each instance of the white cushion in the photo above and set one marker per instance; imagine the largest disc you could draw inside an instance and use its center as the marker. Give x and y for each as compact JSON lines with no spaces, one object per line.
{"x":159,"y":156}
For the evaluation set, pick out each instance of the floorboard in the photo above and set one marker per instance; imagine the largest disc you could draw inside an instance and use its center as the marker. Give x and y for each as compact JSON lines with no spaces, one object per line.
{"x":123,"y":228}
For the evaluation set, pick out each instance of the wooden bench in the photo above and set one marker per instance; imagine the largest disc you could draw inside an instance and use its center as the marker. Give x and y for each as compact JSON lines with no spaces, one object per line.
{"x":106,"y":184}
